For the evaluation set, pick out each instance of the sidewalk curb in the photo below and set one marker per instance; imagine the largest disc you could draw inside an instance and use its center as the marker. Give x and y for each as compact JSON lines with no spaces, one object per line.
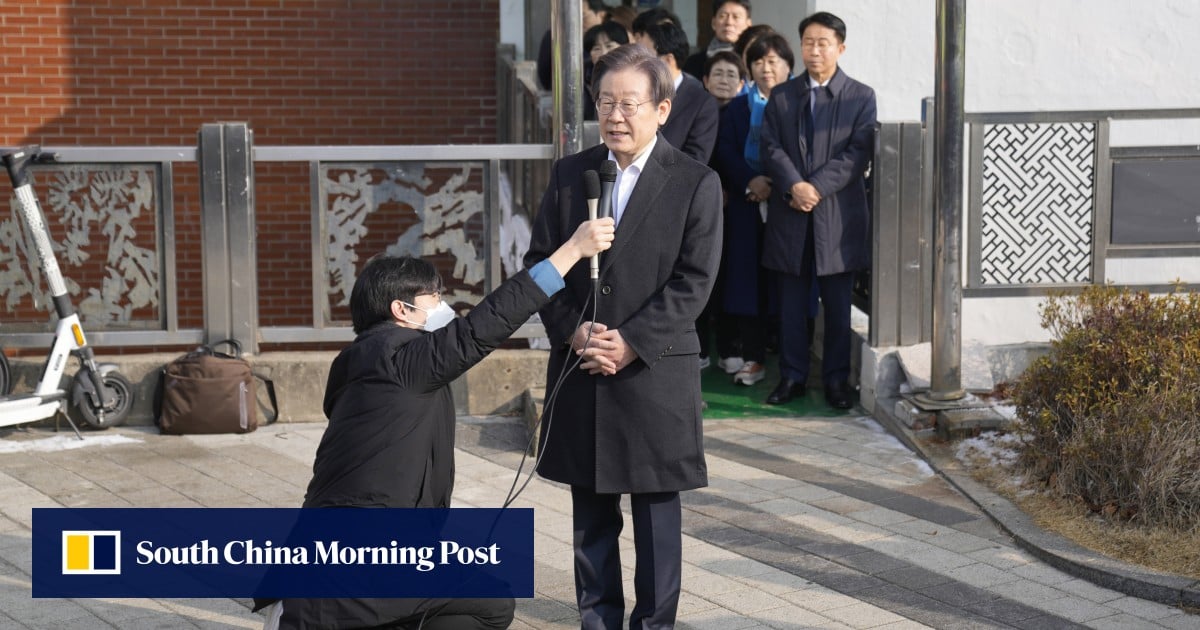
{"x":1057,"y":551}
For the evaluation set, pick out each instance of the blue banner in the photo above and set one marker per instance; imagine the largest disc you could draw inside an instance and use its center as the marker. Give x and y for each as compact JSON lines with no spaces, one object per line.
{"x":277,"y":552}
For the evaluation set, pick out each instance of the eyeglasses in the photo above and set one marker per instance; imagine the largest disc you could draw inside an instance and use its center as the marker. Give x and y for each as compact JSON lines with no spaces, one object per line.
{"x":822,"y":44}
{"x":437,"y":295}
{"x":628,"y":108}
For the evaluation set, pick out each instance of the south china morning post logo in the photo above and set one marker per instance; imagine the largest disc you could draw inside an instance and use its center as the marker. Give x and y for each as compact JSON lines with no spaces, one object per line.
{"x":282,"y":552}
{"x":91,"y":552}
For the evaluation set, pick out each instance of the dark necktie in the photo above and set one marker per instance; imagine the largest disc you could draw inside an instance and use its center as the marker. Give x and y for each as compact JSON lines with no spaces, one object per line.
{"x":810,"y":120}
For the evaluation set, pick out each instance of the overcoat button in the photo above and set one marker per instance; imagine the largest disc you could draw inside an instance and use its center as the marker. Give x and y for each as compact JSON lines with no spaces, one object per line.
{"x":605,"y":290}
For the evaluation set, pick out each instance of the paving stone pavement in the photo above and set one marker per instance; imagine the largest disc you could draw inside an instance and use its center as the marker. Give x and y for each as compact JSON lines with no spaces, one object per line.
{"x":807,"y":523}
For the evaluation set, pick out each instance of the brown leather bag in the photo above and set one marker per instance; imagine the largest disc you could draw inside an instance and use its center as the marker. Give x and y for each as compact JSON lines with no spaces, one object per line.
{"x":205,"y":391}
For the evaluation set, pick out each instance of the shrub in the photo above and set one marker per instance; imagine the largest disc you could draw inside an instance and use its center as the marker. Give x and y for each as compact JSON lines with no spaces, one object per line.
{"x":1112,"y":414}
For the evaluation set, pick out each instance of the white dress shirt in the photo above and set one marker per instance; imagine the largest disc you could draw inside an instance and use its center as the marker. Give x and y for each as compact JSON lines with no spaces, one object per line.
{"x":627,"y":178}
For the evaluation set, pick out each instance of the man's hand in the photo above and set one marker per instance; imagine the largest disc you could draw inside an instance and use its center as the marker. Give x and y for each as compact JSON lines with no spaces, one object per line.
{"x":804,"y":197}
{"x":759,"y":189}
{"x":606,"y":353}
{"x":580,"y":338}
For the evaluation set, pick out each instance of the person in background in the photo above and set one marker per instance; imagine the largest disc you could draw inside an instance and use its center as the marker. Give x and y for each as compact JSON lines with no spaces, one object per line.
{"x":390,"y":438}
{"x":730,"y":18}
{"x":628,"y":420}
{"x":656,"y":15}
{"x":624,"y":15}
{"x":597,"y":41}
{"x":724,"y":76}
{"x":692,"y":126}
{"x":738,"y":159}
{"x":817,"y":140}
{"x":594,"y":12}
{"x":743,"y":42}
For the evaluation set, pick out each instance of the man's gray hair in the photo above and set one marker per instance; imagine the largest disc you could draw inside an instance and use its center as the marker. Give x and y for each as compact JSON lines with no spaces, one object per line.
{"x":635,"y":56}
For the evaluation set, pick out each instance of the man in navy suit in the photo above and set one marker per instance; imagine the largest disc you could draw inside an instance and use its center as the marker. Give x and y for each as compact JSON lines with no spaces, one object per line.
{"x":628,"y":420}
{"x":818,"y":137}
{"x":692,"y":125}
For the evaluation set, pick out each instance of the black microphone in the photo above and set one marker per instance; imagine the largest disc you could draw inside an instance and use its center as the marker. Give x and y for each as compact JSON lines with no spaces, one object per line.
{"x":608,"y":175}
{"x":591,"y":189}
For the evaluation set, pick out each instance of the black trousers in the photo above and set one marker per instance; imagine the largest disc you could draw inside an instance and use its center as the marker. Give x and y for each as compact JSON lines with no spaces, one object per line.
{"x":795,"y":335}
{"x":658,"y":543}
{"x":429,"y":614}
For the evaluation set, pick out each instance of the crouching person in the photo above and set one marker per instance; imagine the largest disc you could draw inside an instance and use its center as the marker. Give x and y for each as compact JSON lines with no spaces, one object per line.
{"x":390,"y":439}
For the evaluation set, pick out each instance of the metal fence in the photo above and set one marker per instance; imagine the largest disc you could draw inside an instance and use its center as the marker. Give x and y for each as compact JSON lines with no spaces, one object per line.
{"x":1048,"y":205}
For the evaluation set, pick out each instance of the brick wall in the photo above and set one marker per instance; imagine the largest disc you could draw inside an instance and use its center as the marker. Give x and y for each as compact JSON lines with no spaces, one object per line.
{"x":300,"y":72}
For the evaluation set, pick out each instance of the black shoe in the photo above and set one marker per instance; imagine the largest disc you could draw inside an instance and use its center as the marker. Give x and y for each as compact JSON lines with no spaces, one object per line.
{"x":786,"y":390}
{"x":839,"y":396}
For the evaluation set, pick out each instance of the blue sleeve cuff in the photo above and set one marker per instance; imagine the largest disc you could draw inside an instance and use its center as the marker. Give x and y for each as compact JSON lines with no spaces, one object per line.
{"x":546,"y":277}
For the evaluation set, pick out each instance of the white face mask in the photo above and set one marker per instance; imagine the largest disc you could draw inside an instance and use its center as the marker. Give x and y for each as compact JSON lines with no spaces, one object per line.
{"x":436,"y":317}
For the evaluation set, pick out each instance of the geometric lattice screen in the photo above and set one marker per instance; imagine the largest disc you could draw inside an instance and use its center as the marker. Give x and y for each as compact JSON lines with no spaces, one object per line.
{"x":1036,"y":220}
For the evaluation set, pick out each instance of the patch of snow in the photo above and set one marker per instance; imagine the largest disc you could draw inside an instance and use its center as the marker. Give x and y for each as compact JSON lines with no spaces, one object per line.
{"x":63,"y":443}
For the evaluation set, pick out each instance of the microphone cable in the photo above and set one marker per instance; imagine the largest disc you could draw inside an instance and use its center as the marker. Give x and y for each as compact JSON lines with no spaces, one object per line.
{"x":548,"y":413}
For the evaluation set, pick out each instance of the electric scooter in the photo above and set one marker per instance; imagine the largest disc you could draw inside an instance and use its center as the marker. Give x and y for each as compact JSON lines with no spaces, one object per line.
{"x":99,"y":395}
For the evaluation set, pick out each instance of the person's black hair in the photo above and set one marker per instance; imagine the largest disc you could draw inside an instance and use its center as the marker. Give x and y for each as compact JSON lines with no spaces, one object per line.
{"x":728,"y":56}
{"x":752,"y":32}
{"x":828,"y":20}
{"x":669,"y":40}
{"x":386,"y":278}
{"x":745,"y":4}
{"x":598,"y":6}
{"x":662,"y":84}
{"x":767,"y":43}
{"x":654,"y":16}
{"x":613,"y":31}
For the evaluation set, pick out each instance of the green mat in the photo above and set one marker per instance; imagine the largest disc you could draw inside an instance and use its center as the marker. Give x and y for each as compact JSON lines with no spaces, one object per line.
{"x":727,"y":400}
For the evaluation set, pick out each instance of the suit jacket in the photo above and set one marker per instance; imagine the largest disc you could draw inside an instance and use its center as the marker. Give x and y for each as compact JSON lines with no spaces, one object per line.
{"x":640,"y":429}
{"x":692,"y":125}
{"x":843,"y":143}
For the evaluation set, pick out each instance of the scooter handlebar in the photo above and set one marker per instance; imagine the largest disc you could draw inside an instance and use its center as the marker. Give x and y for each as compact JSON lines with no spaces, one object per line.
{"x":17,"y":162}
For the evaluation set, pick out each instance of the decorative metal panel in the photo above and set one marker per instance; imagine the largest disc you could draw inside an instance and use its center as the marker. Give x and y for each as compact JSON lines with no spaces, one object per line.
{"x":103,"y":225}
{"x":1037,"y":203}
{"x":434,"y":211}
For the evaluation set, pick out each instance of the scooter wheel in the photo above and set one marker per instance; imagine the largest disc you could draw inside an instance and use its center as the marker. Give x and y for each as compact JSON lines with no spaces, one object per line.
{"x":119,"y":393}
{"x":5,"y":375}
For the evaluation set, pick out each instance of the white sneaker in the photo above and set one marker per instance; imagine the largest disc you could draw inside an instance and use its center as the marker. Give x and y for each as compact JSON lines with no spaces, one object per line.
{"x":731,"y":365}
{"x":704,"y":362}
{"x":751,"y":373}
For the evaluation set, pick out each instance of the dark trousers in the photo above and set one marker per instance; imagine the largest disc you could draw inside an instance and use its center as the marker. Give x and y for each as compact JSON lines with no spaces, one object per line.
{"x":658,"y":543}
{"x":795,"y":336}
{"x":429,"y":614}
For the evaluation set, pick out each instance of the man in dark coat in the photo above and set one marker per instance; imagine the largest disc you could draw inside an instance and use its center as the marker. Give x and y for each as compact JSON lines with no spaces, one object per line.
{"x":390,"y":439}
{"x":817,"y":139}
{"x":627,"y":420}
{"x":692,"y":125}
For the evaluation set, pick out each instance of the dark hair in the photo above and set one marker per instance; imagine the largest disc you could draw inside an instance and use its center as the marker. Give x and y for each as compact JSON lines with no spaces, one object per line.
{"x":752,"y":32}
{"x":654,"y":16}
{"x":635,"y":56}
{"x":728,"y":56}
{"x":745,"y":4}
{"x":767,"y":43}
{"x":669,"y":40}
{"x":613,"y":31}
{"x":598,"y":6}
{"x":386,"y":278}
{"x":828,"y":20}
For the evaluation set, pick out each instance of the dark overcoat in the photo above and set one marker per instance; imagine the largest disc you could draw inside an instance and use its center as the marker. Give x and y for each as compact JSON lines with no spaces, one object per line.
{"x":640,"y":429}
{"x":843,"y":143}
{"x":692,"y":125}
{"x":743,"y":220}
{"x":390,"y":438}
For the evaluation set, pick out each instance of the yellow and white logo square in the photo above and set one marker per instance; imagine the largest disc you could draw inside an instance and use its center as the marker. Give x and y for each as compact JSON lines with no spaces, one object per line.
{"x":91,"y":552}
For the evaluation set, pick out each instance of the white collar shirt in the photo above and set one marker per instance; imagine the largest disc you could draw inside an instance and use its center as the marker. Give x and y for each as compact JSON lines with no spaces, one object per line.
{"x":627,"y":178}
